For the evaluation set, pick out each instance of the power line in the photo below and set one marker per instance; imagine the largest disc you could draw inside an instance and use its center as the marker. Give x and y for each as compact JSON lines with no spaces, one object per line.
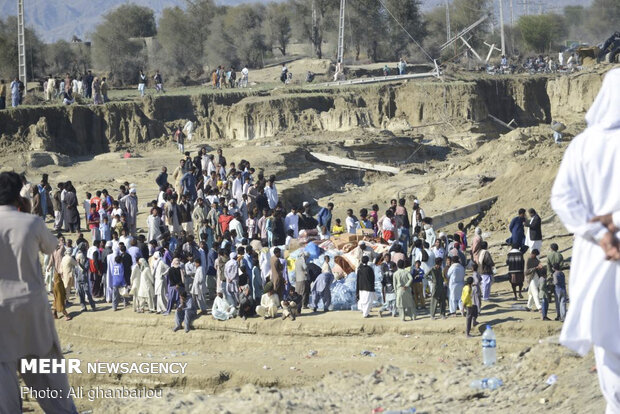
{"x":405,"y":30}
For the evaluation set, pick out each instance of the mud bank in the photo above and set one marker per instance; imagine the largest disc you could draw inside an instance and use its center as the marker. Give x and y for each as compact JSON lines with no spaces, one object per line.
{"x":247,"y":115}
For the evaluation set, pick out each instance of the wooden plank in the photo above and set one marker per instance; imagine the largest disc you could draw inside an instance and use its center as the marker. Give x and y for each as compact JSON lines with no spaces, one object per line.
{"x":349,"y":163}
{"x":499,"y":121}
{"x":461,"y":213}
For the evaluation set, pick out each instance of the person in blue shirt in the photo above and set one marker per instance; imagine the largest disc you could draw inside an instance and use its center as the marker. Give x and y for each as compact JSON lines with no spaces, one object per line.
{"x":325,"y":216}
{"x":118,"y":281}
{"x":517,"y":230}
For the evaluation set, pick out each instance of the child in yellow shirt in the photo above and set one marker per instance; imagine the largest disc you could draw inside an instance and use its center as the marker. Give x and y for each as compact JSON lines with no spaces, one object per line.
{"x":337,"y":228}
{"x":468,"y":304}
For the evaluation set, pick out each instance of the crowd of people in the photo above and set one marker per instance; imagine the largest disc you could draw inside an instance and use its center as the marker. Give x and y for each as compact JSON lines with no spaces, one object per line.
{"x":218,"y":234}
{"x":227,"y":78}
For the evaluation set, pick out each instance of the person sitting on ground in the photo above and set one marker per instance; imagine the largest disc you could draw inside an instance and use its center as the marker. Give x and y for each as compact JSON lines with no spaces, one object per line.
{"x":292,"y":306}
{"x":222,"y":310}
{"x":269,"y":302}
{"x":246,"y":303}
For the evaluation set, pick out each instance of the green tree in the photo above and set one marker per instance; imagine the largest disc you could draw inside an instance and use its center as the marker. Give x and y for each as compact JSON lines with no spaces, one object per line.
{"x":603,"y":18}
{"x":367,"y":26}
{"x":115,"y":48}
{"x":59,"y":57}
{"x":238,"y":37}
{"x":540,"y":32}
{"x":314,"y":26}
{"x":405,"y":13}
{"x":180,"y":51}
{"x":278,"y":26}
{"x":200,"y":14}
{"x":135,"y":21}
{"x":35,"y":62}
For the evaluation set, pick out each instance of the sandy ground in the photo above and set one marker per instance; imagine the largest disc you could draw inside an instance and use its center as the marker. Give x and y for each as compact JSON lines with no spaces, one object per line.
{"x":268,"y":366}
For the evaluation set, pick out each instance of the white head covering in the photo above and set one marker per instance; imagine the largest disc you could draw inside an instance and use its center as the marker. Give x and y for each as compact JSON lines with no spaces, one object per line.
{"x":233,"y":255}
{"x":132,"y":191}
{"x":478,"y":231}
{"x":156,"y":255}
{"x":604,"y":113}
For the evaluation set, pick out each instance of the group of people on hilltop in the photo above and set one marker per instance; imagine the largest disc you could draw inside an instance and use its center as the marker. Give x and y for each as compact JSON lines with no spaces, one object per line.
{"x":13,"y":91}
{"x":158,"y":80}
{"x":227,"y":78}
{"x":67,"y":88}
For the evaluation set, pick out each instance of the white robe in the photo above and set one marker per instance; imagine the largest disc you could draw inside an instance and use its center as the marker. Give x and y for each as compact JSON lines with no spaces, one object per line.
{"x":222,"y":310}
{"x":199,"y":287}
{"x":291,"y":222}
{"x":160,"y":270}
{"x":146,"y":290}
{"x":587,"y":185}
{"x":272,"y":196}
{"x":153,"y":223}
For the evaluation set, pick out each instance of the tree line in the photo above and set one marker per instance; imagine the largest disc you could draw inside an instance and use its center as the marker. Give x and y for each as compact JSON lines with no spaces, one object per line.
{"x":185,"y":42}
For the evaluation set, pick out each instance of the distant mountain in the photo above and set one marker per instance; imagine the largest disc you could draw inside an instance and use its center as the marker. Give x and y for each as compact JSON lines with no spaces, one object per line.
{"x":61,"y":19}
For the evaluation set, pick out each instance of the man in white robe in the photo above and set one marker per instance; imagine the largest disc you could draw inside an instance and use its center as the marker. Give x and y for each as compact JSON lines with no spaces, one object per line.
{"x":231,"y":271}
{"x":585,"y":197}
{"x":291,"y":222}
{"x":146,"y":288}
{"x":222,"y":310}
{"x":199,"y":287}
{"x":130,"y":206}
{"x":272,"y":194}
{"x":160,"y":270}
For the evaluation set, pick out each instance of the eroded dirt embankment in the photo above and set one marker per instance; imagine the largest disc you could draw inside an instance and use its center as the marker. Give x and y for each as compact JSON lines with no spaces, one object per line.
{"x":79,"y":130}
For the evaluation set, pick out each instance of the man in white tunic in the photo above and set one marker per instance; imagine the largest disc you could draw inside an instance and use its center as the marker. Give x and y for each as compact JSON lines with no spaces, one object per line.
{"x":26,"y":326}
{"x":146,"y":288}
{"x":199,"y":287}
{"x":586,"y":187}
{"x":222,"y":310}
{"x":160,"y":270}
{"x":130,"y":206}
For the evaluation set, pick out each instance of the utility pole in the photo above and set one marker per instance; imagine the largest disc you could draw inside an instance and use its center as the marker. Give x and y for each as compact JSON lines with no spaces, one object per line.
{"x":341,"y":33}
{"x":448,"y":34}
{"x":21,"y":44}
{"x":512,"y":28}
{"x":501,"y":26}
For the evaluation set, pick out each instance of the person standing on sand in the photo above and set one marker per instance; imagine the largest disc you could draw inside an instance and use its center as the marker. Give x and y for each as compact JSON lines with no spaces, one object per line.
{"x":456,"y":281}
{"x":517,"y":230}
{"x":404,"y":297}
{"x":25,"y":318}
{"x":516,"y":270}
{"x":586,"y":200}
{"x":365,"y":287}
{"x":485,"y":264}
{"x":438,"y":290}
{"x":534,"y":236}
{"x":468,"y":304}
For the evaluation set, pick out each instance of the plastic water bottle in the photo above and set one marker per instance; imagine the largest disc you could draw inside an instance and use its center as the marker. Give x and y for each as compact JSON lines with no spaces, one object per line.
{"x":489,"y":355}
{"x":486,"y":383}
